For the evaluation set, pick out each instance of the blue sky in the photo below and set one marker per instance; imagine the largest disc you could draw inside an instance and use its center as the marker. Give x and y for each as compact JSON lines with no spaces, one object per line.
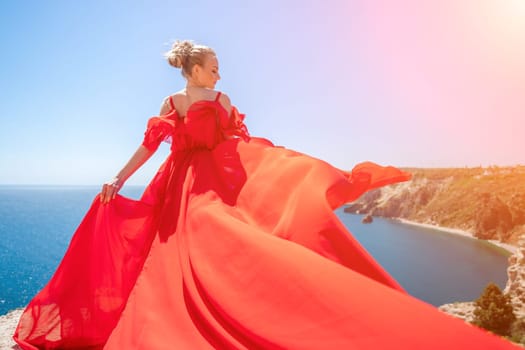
{"x":344,"y":81}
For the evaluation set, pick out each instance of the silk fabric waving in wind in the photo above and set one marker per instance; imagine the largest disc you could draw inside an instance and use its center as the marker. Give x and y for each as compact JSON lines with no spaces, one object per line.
{"x":233,"y":245}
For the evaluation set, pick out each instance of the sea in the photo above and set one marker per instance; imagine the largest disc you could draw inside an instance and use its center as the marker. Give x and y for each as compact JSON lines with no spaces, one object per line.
{"x":37,"y":223}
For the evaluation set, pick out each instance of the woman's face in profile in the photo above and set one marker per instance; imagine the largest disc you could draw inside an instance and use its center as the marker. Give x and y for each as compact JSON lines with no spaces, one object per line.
{"x":208,"y":74}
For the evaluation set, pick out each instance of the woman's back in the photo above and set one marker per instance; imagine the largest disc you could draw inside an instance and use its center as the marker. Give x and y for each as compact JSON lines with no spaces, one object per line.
{"x":185,"y":98}
{"x":195,"y":121}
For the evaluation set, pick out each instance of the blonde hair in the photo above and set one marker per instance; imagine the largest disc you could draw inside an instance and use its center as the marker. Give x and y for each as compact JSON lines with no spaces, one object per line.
{"x":185,"y":54}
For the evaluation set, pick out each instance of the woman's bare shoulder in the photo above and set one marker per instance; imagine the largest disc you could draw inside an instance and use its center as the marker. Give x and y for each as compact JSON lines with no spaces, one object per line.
{"x":179,"y":95}
{"x":225,"y":101}
{"x":172,"y":100}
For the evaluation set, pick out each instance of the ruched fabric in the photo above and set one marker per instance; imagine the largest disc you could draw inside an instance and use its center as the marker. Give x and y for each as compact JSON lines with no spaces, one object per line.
{"x":233,"y":245}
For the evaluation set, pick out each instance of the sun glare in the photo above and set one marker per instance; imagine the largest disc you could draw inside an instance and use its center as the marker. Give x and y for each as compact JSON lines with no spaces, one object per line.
{"x":501,"y":25}
{"x":512,"y":16}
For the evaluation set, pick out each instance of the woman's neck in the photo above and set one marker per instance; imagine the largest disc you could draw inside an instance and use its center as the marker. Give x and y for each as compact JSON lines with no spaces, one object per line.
{"x":191,"y":85}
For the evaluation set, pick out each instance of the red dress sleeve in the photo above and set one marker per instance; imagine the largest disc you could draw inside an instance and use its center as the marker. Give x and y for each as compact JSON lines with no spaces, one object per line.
{"x":159,"y":129}
{"x":236,"y":126}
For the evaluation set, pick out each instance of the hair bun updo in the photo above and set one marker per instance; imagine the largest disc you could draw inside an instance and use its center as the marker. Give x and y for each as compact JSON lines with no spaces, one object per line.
{"x":185,"y":54}
{"x":179,"y":53}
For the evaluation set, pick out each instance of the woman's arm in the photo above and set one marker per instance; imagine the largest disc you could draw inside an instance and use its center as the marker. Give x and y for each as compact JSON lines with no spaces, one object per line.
{"x":110,"y":188}
{"x":141,"y":155}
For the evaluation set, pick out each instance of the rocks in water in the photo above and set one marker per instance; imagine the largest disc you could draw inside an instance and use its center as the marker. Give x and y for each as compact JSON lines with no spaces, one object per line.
{"x":367,"y":219}
{"x":353,"y":208}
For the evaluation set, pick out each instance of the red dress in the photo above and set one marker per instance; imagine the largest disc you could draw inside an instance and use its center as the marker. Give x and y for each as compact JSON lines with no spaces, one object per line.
{"x":233,"y":245}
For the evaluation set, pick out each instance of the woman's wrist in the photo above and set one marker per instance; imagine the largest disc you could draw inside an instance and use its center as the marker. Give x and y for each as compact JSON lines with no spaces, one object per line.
{"x":117,"y":182}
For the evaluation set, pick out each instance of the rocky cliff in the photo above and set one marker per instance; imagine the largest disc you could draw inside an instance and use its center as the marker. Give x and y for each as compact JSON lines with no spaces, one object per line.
{"x":516,"y":279}
{"x":489,"y":202}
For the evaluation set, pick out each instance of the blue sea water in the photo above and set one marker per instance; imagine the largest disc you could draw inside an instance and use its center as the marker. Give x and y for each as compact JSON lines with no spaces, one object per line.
{"x":37,"y":222}
{"x":435,"y":266}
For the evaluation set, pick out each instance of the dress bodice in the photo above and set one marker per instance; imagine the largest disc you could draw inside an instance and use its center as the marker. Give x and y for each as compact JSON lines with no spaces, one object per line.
{"x":205,"y":125}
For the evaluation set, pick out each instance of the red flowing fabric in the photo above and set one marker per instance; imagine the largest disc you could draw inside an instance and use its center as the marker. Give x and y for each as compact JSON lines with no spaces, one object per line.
{"x":233,"y":245}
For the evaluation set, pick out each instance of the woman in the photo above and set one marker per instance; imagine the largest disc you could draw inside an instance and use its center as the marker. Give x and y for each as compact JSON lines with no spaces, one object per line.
{"x":233,"y":245}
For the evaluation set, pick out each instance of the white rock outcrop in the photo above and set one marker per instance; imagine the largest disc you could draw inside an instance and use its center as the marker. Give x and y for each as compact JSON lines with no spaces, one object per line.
{"x":8,"y":324}
{"x":463,"y":310}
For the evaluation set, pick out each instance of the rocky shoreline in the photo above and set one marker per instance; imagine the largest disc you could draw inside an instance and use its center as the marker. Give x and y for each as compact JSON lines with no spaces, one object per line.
{"x":8,"y":324}
{"x":511,"y":248}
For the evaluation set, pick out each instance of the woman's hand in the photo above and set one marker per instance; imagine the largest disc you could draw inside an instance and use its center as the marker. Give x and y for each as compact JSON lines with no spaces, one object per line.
{"x":110,"y":190}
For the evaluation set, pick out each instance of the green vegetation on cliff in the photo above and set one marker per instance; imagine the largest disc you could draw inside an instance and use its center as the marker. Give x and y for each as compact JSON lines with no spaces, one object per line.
{"x":493,"y":311}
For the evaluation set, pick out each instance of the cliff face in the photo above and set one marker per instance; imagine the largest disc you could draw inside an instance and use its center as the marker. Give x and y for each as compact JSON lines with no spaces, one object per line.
{"x":516,"y":279}
{"x":489,"y":202}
